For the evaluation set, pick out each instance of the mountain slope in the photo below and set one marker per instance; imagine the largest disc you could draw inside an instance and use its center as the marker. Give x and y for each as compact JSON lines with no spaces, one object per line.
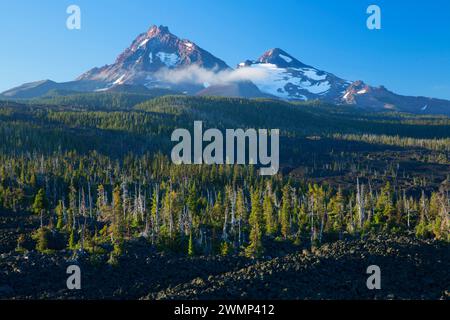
{"x":44,"y":87}
{"x":288,"y":78}
{"x":151,"y":52}
{"x":32,"y":89}
{"x":379,"y":98}
{"x":243,"y":89}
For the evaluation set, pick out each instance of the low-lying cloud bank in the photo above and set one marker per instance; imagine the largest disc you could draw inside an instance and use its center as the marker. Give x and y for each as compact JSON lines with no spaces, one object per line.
{"x":202,"y":76}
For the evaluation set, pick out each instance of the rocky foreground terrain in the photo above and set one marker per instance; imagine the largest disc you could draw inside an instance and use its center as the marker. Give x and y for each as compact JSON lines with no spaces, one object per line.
{"x":410,"y":269}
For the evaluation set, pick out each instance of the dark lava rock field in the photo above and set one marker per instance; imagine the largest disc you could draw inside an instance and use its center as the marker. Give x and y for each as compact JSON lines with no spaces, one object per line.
{"x":410,"y":269}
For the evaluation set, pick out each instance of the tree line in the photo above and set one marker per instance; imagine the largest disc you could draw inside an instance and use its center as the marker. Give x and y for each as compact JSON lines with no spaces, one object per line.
{"x":90,"y":203}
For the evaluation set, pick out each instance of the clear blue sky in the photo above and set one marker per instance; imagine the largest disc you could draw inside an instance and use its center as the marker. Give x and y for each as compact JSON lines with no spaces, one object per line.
{"x":410,"y":55}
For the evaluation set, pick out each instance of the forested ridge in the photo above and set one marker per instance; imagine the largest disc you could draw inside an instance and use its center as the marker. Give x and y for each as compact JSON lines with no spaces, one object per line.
{"x":94,"y":171}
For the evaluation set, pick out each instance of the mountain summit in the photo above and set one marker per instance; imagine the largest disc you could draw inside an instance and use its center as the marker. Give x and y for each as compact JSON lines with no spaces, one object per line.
{"x":281,"y":58}
{"x":150,"y":52}
{"x":288,"y":78}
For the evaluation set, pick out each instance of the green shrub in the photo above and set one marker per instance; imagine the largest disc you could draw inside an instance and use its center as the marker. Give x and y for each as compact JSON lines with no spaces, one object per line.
{"x":48,"y":240}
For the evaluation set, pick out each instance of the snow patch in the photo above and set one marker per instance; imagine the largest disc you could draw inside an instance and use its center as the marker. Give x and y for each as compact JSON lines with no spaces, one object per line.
{"x":120,"y":80}
{"x":278,"y":80}
{"x":101,"y":90}
{"x":285,"y":58}
{"x":143,"y":43}
{"x":319,"y":88}
{"x":169,"y":59}
{"x":346,"y":95}
{"x":313,"y":74}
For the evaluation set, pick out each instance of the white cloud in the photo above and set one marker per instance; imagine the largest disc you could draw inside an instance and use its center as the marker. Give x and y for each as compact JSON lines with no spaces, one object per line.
{"x":199,"y":75}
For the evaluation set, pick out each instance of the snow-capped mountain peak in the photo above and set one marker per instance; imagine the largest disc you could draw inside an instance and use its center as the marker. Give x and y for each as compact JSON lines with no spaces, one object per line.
{"x":288,"y":78}
{"x":148,"y":54}
{"x":281,"y":59}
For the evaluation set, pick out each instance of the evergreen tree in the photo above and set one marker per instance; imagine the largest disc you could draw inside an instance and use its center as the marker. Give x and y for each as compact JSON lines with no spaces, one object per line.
{"x":285,"y":212}
{"x":117,"y":224}
{"x":59,"y":210}
{"x":73,"y":208}
{"x":72,"y":244}
{"x":384,"y":209}
{"x":42,"y":239}
{"x":40,"y":204}
{"x":191,"y":251}
{"x":255,"y":247}
{"x":336,"y":212}
{"x":269,"y":215}
{"x":241,"y":215}
{"x":224,"y":248}
{"x":155,"y":215}
{"x":102,"y":210}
